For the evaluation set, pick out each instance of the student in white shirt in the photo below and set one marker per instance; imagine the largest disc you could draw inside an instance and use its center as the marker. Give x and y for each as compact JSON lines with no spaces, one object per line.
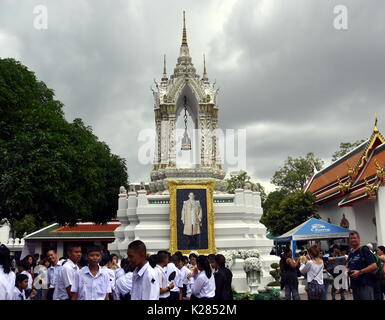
{"x":123,"y":285}
{"x":111,"y":275}
{"x":171,"y":268}
{"x":92,"y":282}
{"x":7,"y":276}
{"x":53,"y":271}
{"x":185,"y":281}
{"x":21,"y":284}
{"x":25,"y":267}
{"x":145,"y":284}
{"x":204,"y":283}
{"x":192,"y":261}
{"x":164,"y":286}
{"x":66,"y":277}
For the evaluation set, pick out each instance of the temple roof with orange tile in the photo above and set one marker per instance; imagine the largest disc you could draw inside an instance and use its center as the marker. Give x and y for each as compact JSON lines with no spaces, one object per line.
{"x":81,"y":231}
{"x":351,"y":175}
{"x":330,"y":174}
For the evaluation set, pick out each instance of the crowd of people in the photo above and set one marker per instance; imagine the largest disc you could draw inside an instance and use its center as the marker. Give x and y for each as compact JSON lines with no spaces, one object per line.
{"x":362,"y":267}
{"x":98,"y":275}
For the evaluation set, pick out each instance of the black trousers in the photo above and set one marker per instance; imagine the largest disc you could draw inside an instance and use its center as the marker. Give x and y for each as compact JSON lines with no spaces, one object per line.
{"x":50,"y":293}
{"x":174,"y":295}
{"x":184,"y":291}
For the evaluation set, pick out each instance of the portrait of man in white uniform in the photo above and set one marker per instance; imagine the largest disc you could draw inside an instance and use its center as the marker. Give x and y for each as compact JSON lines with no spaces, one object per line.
{"x":192,"y":219}
{"x":191,"y":216}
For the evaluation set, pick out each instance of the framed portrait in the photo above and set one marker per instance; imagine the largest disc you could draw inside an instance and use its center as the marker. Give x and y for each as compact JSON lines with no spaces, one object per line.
{"x":192,"y":217}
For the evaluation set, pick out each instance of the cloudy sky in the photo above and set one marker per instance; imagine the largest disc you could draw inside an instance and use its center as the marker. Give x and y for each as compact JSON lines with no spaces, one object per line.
{"x":286,"y":74}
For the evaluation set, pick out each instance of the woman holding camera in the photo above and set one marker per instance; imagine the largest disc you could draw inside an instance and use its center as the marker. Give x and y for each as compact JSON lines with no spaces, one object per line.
{"x":312,"y":265}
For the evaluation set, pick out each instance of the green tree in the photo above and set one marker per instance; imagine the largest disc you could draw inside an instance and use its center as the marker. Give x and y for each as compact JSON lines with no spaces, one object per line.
{"x":289,"y":211}
{"x":239,"y":180}
{"x":50,"y":169}
{"x":296,"y":171}
{"x":289,"y":206}
{"x":27,"y":224}
{"x":345,"y":147}
{"x":270,"y":205}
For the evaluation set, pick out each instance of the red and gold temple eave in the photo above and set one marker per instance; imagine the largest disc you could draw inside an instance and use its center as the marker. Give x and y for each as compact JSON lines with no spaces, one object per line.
{"x":353,"y":197}
{"x":328,"y":177}
{"x":354,"y":167}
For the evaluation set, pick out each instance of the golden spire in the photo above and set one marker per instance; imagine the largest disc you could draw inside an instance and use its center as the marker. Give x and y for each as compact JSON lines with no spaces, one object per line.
{"x":375,"y":129}
{"x":184,"y":37}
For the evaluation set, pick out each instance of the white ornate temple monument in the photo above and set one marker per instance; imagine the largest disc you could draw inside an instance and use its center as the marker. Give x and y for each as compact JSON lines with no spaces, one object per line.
{"x":238,"y":233}
{"x":186,"y":92}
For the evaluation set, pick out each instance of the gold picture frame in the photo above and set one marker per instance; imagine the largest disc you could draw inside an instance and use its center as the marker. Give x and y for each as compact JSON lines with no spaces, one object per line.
{"x":208,"y":186}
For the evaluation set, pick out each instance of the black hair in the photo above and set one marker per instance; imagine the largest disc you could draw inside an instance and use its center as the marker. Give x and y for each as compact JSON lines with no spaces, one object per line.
{"x":112,"y":255}
{"x":94,"y":249}
{"x":203,"y":262}
{"x":52,"y":249}
{"x":138,"y":245}
{"x":193,"y":255}
{"x":83,"y":262}
{"x":123,"y":263}
{"x":382,"y":248}
{"x":74,"y":245}
{"x":220,"y":260}
{"x":152,"y":260}
{"x":104,"y":260}
{"x":175,"y":258}
{"x":25,"y":265}
{"x":211,"y":257}
{"x":160,"y":257}
{"x":20,"y":277}
{"x":179,"y":254}
{"x":5,"y":258}
{"x":185,"y":258}
{"x":354,"y":233}
{"x":27,"y":257}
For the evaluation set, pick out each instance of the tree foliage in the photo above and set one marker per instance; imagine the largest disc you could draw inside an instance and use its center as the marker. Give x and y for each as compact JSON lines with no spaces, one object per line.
{"x":240,"y":179}
{"x":289,"y":206}
{"x":296,"y":171}
{"x":345,"y":147}
{"x":50,"y":169}
{"x":285,"y":212}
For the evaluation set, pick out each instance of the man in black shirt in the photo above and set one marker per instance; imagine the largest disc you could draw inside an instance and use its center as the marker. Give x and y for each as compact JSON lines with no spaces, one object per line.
{"x":361,"y":265}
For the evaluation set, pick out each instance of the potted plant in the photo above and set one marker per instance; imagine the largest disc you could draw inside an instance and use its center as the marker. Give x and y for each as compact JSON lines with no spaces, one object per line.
{"x":252,"y":267}
{"x":276,"y":274}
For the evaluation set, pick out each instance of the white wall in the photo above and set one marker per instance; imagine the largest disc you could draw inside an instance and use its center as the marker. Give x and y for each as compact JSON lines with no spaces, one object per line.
{"x":360,"y":217}
{"x":364,"y":212}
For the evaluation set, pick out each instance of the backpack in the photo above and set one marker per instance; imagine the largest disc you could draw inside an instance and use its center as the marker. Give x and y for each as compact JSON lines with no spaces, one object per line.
{"x":378,"y":274}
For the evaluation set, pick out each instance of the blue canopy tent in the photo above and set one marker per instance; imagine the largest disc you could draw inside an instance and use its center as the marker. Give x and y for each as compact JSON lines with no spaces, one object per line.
{"x":312,"y":229}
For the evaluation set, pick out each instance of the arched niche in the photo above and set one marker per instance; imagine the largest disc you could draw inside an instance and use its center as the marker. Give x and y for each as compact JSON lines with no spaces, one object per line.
{"x":191,"y":158}
{"x":192,"y":105}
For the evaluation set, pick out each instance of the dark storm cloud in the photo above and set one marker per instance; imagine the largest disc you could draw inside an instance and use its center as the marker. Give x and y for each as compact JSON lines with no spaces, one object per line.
{"x":296,"y":83}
